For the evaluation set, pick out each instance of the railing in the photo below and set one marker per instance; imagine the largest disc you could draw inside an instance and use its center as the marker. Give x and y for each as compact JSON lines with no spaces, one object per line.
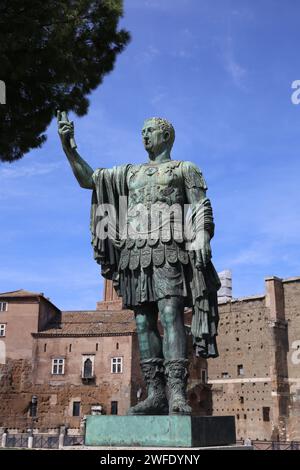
{"x":17,"y":440}
{"x":73,"y":440}
{"x":274,"y":445}
{"x":50,"y":441}
{"x":41,"y":441}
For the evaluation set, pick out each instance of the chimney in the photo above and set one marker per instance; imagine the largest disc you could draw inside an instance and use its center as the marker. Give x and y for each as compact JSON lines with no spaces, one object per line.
{"x":275,"y":298}
{"x":111,"y":300}
{"x":225,"y":291}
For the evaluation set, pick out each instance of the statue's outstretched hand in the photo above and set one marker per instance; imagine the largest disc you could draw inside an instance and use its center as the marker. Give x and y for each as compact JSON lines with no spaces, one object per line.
{"x":66,"y":130}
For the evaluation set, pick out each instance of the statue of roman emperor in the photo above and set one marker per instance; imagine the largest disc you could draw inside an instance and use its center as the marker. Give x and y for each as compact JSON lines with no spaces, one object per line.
{"x":156,"y":268}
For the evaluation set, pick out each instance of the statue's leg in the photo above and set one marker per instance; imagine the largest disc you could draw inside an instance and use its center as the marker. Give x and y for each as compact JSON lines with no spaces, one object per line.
{"x":175,"y":353}
{"x":150,"y":343}
{"x":171,"y":316}
{"x":151,"y":363}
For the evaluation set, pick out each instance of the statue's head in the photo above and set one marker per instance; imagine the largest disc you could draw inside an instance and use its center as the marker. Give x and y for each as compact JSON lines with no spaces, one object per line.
{"x":158,"y":134}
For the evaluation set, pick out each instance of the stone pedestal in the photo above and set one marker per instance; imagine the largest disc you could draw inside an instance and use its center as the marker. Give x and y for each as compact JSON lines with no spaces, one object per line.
{"x":160,"y":431}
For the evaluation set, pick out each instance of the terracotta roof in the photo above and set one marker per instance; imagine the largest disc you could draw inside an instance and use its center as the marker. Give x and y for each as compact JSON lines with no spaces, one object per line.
{"x":88,"y":329}
{"x":91,"y":323}
{"x":21,"y":293}
{"x":94,"y":316}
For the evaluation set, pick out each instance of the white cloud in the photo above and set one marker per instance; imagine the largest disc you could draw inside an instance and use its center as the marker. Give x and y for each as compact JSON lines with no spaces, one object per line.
{"x":235,"y":70}
{"x":162,"y":5}
{"x":12,"y":192}
{"x":158,"y":98}
{"x":25,"y":170}
{"x":62,"y":273}
{"x":148,"y":55}
{"x":258,"y":253}
{"x":70,"y":283}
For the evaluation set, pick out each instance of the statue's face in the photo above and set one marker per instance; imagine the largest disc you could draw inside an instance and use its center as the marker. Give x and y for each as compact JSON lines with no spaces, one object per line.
{"x":154,"y":138}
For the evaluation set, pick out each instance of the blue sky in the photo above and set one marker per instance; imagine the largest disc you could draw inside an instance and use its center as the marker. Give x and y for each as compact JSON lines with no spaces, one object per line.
{"x":221,"y":72}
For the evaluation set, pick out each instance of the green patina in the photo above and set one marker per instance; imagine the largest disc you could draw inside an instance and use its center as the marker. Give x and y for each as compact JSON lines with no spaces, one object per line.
{"x":159,"y":431}
{"x":156,"y":275}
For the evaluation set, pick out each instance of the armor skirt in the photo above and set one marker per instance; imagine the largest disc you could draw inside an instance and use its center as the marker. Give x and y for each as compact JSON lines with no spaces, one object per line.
{"x":153,"y":283}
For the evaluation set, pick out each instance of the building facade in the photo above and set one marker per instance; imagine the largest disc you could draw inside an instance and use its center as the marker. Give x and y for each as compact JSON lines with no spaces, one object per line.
{"x":256,"y":378}
{"x":57,"y":367}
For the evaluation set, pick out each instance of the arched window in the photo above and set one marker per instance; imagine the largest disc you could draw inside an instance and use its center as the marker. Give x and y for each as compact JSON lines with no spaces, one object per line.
{"x":88,"y":369}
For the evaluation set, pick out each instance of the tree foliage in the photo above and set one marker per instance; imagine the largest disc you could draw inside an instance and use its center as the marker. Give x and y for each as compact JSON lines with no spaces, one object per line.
{"x":53,"y":53}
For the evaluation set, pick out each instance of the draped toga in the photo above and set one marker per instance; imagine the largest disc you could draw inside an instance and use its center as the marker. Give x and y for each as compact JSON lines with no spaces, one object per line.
{"x":147,"y":267}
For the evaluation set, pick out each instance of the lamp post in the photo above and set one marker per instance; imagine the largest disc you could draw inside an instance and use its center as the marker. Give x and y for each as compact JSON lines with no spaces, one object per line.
{"x":33,"y":407}
{"x":33,"y":413}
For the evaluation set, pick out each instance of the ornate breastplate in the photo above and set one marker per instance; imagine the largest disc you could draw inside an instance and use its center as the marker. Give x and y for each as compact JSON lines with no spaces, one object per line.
{"x":153,"y":183}
{"x":151,"y":188}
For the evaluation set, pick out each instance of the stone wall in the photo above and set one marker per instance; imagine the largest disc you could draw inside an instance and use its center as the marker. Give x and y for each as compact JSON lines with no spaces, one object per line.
{"x":255,"y":378}
{"x":291,"y":289}
{"x":55,"y":398}
{"x":240,"y":377}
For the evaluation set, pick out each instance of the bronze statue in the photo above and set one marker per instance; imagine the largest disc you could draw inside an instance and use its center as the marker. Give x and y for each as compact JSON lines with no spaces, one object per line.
{"x":154,"y":267}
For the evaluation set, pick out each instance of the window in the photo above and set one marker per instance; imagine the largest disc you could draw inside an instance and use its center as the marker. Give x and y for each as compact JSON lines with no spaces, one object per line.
{"x":58,"y":366}
{"x":114,"y":408}
{"x":203,"y":376}
{"x":76,"y":408}
{"x":116,"y":365}
{"x":266,"y":413}
{"x":2,"y":329}
{"x":225,"y":375}
{"x":240,"y":369}
{"x":70,"y":347}
{"x":45,"y":347}
{"x":3,"y":306}
{"x":87,"y":369}
{"x":242,"y":400}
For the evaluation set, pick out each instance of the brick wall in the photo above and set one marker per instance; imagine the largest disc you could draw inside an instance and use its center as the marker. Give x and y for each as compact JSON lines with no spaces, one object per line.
{"x":254,"y":378}
{"x":21,"y":379}
{"x":240,"y":377}
{"x":291,"y":289}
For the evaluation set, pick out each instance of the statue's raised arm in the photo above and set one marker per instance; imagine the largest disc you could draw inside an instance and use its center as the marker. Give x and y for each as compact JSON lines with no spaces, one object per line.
{"x":82,"y":171}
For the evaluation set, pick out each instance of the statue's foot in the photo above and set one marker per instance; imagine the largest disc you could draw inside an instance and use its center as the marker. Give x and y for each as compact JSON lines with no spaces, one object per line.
{"x":179,"y":406}
{"x":150,"y":406}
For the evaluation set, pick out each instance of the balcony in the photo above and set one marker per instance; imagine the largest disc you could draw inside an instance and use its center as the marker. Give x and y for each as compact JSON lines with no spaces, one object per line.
{"x":88,"y":379}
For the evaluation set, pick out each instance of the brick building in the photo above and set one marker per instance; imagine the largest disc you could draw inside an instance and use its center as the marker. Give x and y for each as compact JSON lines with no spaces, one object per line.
{"x":257,"y":375}
{"x":56,"y":367}
{"x":75,"y":363}
{"x":81,"y":362}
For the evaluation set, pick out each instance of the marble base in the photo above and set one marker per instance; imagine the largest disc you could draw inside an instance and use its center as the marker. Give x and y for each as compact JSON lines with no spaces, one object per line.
{"x":160,"y":431}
